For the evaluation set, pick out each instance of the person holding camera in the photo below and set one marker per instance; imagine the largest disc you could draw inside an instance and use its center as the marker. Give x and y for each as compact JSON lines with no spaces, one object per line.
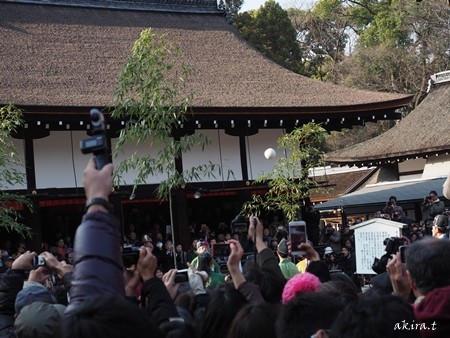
{"x":210,"y":277}
{"x":392,"y":202}
{"x":202,"y":248}
{"x":11,"y":282}
{"x":425,"y":272}
{"x":431,"y":207}
{"x":331,"y":237}
{"x":330,"y":259}
{"x":98,"y":305}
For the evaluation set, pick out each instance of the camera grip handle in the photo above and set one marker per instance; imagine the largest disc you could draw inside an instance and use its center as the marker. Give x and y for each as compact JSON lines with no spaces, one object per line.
{"x":101,"y":159}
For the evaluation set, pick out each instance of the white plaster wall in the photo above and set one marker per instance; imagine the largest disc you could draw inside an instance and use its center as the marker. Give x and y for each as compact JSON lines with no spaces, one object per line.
{"x":20,"y":155}
{"x":58,"y":160}
{"x":140,"y":149}
{"x":436,"y":166}
{"x":223,"y":151}
{"x":256,"y":145}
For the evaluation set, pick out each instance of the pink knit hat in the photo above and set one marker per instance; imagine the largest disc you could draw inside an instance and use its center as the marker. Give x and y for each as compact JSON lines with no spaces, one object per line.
{"x":301,"y":283}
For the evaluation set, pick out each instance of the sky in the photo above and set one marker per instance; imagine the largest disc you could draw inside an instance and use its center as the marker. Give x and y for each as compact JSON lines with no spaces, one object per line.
{"x":255,"y":4}
{"x":251,"y":4}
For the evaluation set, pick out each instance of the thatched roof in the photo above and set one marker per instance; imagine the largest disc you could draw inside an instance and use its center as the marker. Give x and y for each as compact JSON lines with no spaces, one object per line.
{"x":423,"y":132}
{"x":339,"y":184}
{"x":64,"y":57}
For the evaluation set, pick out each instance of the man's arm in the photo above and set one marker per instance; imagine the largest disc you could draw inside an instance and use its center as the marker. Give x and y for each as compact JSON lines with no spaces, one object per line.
{"x":11,"y":283}
{"x":266,"y":259}
{"x":249,"y":290}
{"x":98,"y":266}
{"x":397,"y":274}
{"x":158,"y":301}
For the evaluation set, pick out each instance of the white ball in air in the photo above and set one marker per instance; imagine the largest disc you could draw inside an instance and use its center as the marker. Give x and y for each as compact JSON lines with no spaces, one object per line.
{"x":270,"y":153}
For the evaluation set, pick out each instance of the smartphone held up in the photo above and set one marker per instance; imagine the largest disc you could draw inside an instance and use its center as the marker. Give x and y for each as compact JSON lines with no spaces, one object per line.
{"x":297,"y":236}
{"x":402,"y":250}
{"x":221,"y":249}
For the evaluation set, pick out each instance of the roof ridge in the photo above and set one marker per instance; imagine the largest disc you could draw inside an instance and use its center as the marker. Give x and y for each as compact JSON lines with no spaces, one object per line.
{"x":196,"y":6}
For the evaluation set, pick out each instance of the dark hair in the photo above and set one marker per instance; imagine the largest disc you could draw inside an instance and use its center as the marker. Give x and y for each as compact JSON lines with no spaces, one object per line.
{"x":441,"y":223}
{"x":185,"y":300}
{"x":255,"y":321}
{"x":428,"y":263}
{"x":270,"y":284}
{"x":319,"y":269}
{"x":109,"y":317}
{"x":306,"y":313}
{"x":225,"y":301}
{"x":342,"y":276}
{"x":373,"y":317}
{"x":61,"y":294}
{"x":434,"y":192}
{"x":204,"y":262}
{"x":392,"y":198}
{"x":344,"y":291}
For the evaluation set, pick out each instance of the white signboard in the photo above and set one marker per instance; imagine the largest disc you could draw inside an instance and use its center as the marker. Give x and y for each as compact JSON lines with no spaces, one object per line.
{"x":369,"y":238}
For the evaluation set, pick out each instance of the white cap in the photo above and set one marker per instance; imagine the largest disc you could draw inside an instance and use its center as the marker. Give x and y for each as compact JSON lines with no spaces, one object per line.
{"x":328,"y":250}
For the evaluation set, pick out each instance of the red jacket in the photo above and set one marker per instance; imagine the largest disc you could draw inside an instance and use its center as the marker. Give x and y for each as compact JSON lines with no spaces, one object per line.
{"x":434,"y":312}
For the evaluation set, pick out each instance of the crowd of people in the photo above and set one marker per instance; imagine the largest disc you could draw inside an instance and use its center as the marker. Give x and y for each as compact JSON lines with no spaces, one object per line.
{"x":267,"y":294}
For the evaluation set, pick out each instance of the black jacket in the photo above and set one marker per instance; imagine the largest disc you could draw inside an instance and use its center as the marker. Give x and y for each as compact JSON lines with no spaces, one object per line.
{"x":11,"y":283}
{"x":98,"y":269}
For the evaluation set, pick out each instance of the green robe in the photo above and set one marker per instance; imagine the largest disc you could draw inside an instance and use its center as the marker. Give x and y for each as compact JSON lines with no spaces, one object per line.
{"x":288,"y":268}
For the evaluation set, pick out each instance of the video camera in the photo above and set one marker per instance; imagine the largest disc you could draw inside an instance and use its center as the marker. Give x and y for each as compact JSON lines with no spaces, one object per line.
{"x":130,"y":254}
{"x":392,"y":247}
{"x":239,"y":224}
{"x":392,"y":244}
{"x":97,"y":143}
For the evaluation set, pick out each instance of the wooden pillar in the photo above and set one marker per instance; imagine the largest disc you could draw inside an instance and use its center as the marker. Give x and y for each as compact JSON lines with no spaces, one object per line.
{"x":33,"y":220}
{"x":243,"y":153}
{"x":180,"y":219}
{"x":29,"y":164}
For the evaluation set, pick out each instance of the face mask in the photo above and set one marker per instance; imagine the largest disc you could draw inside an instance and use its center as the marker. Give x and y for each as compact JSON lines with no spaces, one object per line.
{"x":159,"y":245}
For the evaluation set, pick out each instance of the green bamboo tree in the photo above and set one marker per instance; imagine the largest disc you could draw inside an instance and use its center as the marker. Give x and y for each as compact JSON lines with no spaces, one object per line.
{"x":10,"y":175}
{"x":151,"y":99}
{"x":289,"y":182}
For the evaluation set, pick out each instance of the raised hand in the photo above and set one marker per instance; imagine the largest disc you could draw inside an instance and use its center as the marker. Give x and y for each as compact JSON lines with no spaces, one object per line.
{"x":146,"y":264}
